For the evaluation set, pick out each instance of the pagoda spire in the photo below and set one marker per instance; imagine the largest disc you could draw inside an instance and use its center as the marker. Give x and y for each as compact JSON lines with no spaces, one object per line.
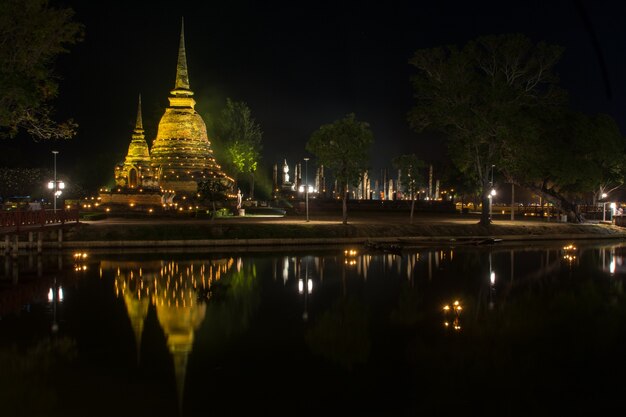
{"x":182,"y":76}
{"x":139,"y":123}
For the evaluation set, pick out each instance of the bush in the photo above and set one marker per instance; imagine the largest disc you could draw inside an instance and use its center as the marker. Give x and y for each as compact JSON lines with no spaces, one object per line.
{"x":93,"y":216}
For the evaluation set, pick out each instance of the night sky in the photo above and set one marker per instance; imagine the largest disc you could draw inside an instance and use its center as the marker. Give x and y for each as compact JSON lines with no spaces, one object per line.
{"x":302,"y":64}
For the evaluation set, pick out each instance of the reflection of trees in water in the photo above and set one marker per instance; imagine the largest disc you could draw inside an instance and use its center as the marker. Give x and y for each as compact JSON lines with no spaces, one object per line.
{"x":342,"y":333}
{"x":553,"y":347}
{"x":229,"y":314}
{"x":28,"y":385}
{"x":409,"y":309}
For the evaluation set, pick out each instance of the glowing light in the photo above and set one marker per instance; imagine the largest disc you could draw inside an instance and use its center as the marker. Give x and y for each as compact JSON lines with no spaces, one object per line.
{"x":310,"y":286}
{"x":50,"y":294}
{"x":492,"y":277}
{"x":300,"y":286}
{"x":612,"y":267}
{"x":60,"y":293}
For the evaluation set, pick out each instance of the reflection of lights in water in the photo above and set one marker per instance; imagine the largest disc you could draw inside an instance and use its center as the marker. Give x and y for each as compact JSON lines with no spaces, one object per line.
{"x":80,"y":255}
{"x":285,"y":269}
{"x":492,"y":277}
{"x":309,"y":286}
{"x":447,"y":309}
{"x":569,"y":253}
{"x":55,"y":293}
{"x":612,"y":266}
{"x":350,"y":257}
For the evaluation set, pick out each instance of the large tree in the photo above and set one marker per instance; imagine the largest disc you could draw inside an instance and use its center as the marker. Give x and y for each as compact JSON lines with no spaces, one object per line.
{"x":32,"y":35}
{"x":571,"y":157}
{"x":343,"y":147}
{"x":483,"y":97}
{"x":410,"y":167}
{"x":240,"y":136}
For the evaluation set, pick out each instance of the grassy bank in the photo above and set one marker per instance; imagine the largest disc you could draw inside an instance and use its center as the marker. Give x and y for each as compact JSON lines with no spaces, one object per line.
{"x":301,"y":230}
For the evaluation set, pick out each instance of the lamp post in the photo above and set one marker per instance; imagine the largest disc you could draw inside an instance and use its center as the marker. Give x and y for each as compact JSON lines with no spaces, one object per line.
{"x":492,"y":192}
{"x":306,"y":187}
{"x":604,"y":195}
{"x":56,"y":186}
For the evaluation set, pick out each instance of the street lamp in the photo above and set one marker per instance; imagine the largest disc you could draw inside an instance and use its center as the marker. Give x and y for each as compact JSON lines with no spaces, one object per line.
{"x":56,"y":186}
{"x":306,"y":186}
{"x":604,"y":195}
{"x":492,"y":191}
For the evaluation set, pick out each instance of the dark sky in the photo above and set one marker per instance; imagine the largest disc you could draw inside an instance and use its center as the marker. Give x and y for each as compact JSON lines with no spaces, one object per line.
{"x":302,"y":64}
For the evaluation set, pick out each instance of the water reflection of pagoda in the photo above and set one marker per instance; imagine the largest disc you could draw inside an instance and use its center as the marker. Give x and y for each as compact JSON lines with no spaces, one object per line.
{"x":175,"y":290}
{"x":180,"y":156}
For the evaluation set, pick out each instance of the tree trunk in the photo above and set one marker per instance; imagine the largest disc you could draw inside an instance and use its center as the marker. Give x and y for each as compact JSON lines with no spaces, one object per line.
{"x":252,"y":186}
{"x":412,"y":210}
{"x":512,"y":201}
{"x":485,"y":217}
{"x":561,"y":202}
{"x":345,"y":207}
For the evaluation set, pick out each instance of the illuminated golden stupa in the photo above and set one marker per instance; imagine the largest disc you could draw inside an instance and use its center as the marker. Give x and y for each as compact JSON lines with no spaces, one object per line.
{"x":181,"y":154}
{"x":135,"y":171}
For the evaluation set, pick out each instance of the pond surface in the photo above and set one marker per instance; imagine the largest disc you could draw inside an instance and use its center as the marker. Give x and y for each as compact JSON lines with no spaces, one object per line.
{"x":495,"y":330}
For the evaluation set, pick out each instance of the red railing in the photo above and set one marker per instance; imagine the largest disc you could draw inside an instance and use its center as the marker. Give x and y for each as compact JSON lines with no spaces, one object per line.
{"x":16,"y":219}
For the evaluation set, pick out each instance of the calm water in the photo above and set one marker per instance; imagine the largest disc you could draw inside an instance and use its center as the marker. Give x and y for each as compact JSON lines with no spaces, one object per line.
{"x":527,"y":330}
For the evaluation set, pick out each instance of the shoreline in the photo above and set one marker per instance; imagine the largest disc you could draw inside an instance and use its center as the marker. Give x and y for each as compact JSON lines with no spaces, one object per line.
{"x":283,"y":233}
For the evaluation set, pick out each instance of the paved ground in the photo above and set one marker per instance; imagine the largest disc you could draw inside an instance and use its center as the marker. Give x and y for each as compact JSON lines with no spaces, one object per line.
{"x":356,"y":218}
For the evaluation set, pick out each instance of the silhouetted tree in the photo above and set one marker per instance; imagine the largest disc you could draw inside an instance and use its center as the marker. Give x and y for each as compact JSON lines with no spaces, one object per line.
{"x":32,"y":35}
{"x":410,"y":167}
{"x":240,"y":136}
{"x":485,"y":97}
{"x":343,"y":147}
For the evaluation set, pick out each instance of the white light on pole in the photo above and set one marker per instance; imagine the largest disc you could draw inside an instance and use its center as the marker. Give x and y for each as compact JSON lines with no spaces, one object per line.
{"x":56,"y":186}
{"x":306,"y":187}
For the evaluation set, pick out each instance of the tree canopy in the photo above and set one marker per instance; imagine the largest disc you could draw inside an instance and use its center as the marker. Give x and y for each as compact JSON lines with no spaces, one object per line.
{"x":410,"y":176}
{"x":240,"y":136}
{"x":32,"y":35}
{"x":488,"y":98}
{"x":343,"y":147}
